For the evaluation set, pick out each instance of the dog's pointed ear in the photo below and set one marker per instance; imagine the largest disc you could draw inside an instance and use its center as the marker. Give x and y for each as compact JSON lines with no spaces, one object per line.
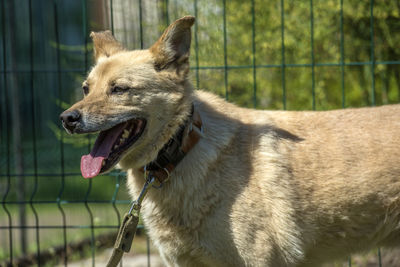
{"x":104,"y":44}
{"x":174,"y":44}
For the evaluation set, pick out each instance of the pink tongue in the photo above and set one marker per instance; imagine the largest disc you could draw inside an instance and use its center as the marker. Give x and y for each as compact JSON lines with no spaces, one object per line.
{"x":91,"y":164}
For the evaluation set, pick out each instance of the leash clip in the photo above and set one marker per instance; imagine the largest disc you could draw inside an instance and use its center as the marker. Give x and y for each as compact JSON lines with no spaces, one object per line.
{"x":137,"y":204}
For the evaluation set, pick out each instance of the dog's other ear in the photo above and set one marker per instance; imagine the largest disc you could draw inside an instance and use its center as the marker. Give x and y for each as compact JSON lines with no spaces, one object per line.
{"x":174,"y":44}
{"x":104,"y":44}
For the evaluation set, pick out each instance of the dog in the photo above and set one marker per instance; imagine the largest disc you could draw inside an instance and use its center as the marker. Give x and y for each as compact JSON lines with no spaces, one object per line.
{"x":246,"y":187}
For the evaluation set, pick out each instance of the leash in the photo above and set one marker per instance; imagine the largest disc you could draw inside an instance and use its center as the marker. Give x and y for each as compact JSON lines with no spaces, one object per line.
{"x":158,"y":170}
{"x":127,"y":231}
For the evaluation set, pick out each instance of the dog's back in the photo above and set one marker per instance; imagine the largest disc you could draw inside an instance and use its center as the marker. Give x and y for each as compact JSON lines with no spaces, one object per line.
{"x":346,"y":170}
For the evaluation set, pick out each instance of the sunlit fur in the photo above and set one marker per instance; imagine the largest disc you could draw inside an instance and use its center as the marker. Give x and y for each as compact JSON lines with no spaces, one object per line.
{"x":261,"y":188}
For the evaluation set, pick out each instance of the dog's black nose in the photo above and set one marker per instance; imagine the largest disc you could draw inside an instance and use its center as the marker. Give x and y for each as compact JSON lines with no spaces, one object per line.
{"x":70,"y":119}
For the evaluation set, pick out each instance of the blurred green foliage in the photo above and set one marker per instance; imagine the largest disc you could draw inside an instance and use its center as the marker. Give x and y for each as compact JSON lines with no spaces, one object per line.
{"x":325,"y":46}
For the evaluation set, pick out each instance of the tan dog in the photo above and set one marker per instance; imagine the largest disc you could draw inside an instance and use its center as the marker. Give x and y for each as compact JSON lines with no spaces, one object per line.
{"x":260,"y":188}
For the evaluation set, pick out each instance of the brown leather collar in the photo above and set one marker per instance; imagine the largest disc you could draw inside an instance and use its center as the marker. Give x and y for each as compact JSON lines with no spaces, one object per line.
{"x":176,"y":148}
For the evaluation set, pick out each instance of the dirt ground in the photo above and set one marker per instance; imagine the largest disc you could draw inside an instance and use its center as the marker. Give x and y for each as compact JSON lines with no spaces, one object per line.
{"x":130,"y":259}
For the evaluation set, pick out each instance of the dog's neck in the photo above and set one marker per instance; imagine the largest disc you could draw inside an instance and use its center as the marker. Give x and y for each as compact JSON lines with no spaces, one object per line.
{"x":176,"y":148}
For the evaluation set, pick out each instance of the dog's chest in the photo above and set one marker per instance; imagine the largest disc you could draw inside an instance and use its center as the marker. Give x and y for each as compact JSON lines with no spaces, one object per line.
{"x":183,"y":226}
{"x":173,"y":232}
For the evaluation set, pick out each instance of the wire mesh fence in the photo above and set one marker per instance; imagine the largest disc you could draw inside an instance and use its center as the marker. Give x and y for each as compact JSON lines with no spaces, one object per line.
{"x":265,"y":54}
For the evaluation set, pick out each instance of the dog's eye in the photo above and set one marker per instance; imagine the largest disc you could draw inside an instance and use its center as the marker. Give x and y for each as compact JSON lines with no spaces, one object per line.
{"x":85,"y":89}
{"x":117,"y":89}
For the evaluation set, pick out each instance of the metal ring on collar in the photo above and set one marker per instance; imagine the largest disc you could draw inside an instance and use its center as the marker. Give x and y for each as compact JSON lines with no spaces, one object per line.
{"x":162,"y":183}
{"x":168,"y":174}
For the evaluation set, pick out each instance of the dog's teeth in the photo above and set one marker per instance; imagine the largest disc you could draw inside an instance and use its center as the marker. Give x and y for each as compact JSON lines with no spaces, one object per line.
{"x":103,"y":163}
{"x":116,"y":146}
{"x":125,"y":134}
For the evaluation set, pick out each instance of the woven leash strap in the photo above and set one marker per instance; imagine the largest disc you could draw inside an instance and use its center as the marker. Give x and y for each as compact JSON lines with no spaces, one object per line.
{"x":124,"y":239}
{"x":127,"y":231}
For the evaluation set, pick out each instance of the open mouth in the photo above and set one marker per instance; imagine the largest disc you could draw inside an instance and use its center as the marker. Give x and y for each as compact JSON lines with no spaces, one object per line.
{"x":109,"y":147}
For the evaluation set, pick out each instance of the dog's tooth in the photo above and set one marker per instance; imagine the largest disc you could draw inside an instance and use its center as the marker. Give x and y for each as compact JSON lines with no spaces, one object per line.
{"x":103,"y":163}
{"x":116,"y":146}
{"x":125,"y":134}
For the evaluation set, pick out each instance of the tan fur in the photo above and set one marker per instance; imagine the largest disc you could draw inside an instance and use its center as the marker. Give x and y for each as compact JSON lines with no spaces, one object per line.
{"x":261,"y":188}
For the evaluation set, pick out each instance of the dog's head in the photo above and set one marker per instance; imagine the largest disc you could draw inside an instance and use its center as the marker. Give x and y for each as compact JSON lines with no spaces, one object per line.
{"x":135,"y":99}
